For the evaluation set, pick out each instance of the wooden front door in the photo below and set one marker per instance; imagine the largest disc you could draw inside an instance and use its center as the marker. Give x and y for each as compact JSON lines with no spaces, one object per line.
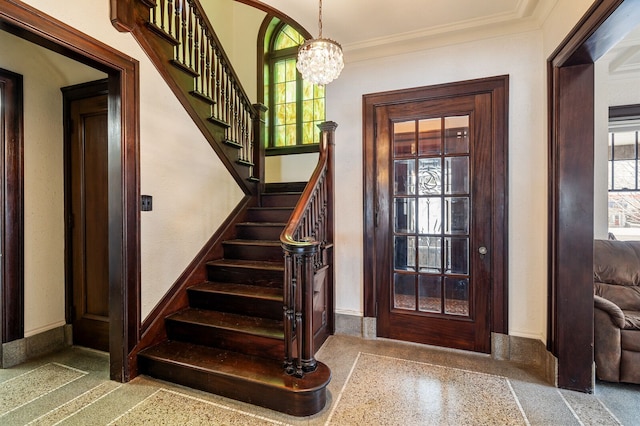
{"x":434,"y":225}
{"x":88,"y":222}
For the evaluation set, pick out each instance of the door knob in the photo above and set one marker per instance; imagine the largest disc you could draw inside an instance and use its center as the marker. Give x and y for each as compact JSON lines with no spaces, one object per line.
{"x":482,"y":250}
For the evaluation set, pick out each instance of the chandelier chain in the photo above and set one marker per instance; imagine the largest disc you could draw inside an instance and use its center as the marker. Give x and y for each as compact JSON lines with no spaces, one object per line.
{"x":320,"y":19}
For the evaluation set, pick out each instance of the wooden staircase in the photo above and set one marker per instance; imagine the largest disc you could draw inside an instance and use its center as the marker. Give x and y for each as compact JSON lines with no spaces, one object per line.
{"x":230,"y":340}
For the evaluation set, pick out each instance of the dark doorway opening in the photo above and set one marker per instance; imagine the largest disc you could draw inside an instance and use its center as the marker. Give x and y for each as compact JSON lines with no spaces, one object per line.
{"x":123,"y":181}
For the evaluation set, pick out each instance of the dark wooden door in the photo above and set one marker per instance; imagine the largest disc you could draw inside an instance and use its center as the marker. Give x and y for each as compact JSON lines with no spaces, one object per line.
{"x":88,"y":196}
{"x":433,"y":235}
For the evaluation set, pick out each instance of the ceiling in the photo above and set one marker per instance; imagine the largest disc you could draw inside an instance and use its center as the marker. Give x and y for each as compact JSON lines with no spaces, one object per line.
{"x":364,"y":24}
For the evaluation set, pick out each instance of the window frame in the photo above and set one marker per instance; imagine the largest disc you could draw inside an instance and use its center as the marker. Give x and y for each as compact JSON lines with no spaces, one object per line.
{"x":619,"y":115}
{"x":271,"y":28}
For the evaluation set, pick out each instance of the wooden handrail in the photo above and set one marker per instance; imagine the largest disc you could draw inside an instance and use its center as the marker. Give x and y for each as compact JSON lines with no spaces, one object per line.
{"x":304,"y":240}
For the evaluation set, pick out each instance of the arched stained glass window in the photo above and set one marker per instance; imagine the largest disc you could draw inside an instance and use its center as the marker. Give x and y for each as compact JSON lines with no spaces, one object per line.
{"x":296,"y":107}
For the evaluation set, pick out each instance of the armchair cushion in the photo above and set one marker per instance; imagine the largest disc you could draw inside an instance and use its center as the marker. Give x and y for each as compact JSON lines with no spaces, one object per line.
{"x":616,"y":262}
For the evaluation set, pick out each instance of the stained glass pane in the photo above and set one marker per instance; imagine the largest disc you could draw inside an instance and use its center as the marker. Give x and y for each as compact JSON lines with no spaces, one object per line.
{"x":430,"y":176}
{"x":289,"y":107}
{"x":288,"y":37}
{"x":307,"y":133}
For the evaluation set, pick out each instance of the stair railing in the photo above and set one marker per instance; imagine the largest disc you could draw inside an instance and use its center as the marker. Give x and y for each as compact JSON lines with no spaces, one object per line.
{"x":199,"y":52}
{"x":306,"y":241}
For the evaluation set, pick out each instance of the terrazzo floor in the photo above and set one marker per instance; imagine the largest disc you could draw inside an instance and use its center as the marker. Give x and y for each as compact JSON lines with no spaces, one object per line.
{"x":375,"y":382}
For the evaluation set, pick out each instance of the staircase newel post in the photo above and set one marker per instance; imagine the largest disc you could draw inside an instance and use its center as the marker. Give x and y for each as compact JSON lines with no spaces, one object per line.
{"x":328,"y":129}
{"x":259,"y":144}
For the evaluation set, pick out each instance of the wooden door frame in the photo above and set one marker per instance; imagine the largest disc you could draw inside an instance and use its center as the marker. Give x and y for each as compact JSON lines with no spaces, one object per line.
{"x":123,"y":117}
{"x":571,"y":191}
{"x":498,"y":87}
{"x":12,"y":262}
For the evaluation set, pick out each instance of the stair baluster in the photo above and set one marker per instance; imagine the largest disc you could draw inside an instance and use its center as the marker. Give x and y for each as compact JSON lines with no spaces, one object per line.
{"x":305,"y":241}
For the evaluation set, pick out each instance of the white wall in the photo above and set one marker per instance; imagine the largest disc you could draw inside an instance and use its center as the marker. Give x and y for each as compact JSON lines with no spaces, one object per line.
{"x":192,"y":191}
{"x":44,"y":73}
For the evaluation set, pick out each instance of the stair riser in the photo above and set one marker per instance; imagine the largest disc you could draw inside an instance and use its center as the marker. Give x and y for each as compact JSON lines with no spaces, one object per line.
{"x":275,"y":398}
{"x":250,"y":252}
{"x":236,"y":304}
{"x":279,"y":200}
{"x":252,"y":232}
{"x":248,"y":344}
{"x":269,"y":215}
{"x":260,"y":277}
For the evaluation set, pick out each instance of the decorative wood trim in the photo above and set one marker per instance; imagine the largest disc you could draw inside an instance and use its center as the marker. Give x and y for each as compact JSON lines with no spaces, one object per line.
{"x":571,"y":138}
{"x":124,"y":100}
{"x":498,"y":87}
{"x":12,"y":198}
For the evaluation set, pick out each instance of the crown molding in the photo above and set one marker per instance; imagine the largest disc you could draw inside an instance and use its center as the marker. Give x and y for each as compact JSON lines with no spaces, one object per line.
{"x":528,"y":15}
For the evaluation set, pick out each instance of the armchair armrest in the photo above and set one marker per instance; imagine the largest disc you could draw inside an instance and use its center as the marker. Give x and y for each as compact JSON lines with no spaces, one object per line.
{"x":615,"y":313}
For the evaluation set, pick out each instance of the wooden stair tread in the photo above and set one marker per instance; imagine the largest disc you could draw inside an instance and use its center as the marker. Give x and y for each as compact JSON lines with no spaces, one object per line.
{"x":246,"y":242}
{"x":249,"y":264}
{"x":215,"y":361}
{"x":233,"y":322}
{"x":253,"y":291}
{"x":282,"y":224}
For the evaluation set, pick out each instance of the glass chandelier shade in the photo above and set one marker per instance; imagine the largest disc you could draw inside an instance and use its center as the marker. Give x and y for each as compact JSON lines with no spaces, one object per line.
{"x":320,"y":60}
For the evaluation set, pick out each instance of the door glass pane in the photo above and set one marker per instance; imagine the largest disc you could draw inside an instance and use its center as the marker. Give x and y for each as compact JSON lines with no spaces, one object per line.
{"x":404,"y":291}
{"x":430,"y":215}
{"x":404,"y":253}
{"x":456,"y":215}
{"x":456,"y":173}
{"x":429,"y":293}
{"x":430,"y":176}
{"x":456,"y":252}
{"x":456,"y":299}
{"x":430,"y":254}
{"x":430,"y":136}
{"x":404,"y":138}
{"x":456,"y":134}
{"x":404,"y":182}
{"x":405,"y":215}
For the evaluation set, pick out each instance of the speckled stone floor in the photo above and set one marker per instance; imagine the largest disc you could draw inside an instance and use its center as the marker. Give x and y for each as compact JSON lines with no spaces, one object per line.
{"x":375,"y":382}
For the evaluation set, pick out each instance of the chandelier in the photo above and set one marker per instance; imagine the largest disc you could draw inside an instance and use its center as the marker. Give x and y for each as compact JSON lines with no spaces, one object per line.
{"x":320,"y":59}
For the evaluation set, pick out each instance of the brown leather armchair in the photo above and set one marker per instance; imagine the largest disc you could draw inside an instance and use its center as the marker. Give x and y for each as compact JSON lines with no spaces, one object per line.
{"x":616,"y":271}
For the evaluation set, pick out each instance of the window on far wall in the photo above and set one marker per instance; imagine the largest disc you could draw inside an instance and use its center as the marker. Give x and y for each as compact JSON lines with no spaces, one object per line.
{"x":295,"y":107}
{"x":624,"y":176}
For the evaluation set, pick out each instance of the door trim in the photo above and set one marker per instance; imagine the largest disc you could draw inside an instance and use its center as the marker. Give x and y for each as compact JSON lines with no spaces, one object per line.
{"x":124,"y":188}
{"x":498,"y":87}
{"x":12,"y":262}
{"x":571,"y":138}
